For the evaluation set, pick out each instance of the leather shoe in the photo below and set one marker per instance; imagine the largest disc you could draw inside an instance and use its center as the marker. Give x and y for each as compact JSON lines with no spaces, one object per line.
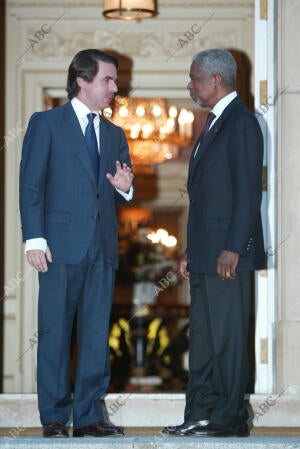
{"x":213,"y":430}
{"x":185,"y":428}
{"x":55,"y":430}
{"x":98,"y":429}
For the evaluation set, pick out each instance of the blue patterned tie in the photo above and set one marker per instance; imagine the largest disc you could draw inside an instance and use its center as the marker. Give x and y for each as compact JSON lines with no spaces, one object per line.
{"x":91,"y":141}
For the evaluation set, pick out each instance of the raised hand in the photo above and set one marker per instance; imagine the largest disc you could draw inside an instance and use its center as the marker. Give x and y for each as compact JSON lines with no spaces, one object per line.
{"x":123,"y":177}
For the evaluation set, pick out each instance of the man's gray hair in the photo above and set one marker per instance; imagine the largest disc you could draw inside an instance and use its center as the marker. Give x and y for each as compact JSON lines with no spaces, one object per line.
{"x":218,"y":61}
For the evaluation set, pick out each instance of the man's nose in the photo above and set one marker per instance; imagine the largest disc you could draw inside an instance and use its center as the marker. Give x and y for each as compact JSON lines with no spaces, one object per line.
{"x":113,"y":86}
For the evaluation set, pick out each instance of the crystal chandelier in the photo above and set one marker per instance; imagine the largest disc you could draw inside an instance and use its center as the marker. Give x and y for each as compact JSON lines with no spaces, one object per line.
{"x":154,"y":133}
{"x":129,"y":9}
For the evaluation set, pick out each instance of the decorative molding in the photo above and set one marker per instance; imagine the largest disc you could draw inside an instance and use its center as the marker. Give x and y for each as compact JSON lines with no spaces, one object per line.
{"x":142,"y":44}
{"x":176,"y":9}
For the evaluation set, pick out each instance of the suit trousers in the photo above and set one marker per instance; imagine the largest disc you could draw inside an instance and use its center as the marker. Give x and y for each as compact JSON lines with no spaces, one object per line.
{"x":218,"y":357}
{"x":85,"y":288}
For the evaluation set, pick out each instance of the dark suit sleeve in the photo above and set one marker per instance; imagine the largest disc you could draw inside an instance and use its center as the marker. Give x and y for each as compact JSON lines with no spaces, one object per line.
{"x":33,"y":169}
{"x":245,"y":160}
{"x":123,"y":158}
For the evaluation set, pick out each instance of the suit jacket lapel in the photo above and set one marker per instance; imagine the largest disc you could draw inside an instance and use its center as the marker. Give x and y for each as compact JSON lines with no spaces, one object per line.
{"x":72,"y":130}
{"x":104,"y":146}
{"x":194,"y":160}
{"x":210,"y":136}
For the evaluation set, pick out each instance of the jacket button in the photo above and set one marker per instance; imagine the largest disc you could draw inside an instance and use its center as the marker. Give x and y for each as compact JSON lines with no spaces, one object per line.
{"x":97,"y":196}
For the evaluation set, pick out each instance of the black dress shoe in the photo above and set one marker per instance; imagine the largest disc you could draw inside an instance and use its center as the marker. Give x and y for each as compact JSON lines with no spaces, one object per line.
{"x":213,"y":430}
{"x":98,"y":429}
{"x":185,"y":428}
{"x":55,"y":430}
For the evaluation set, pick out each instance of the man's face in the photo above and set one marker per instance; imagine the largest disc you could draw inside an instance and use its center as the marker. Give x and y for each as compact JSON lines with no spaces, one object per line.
{"x":202,"y":87}
{"x":98,"y":93}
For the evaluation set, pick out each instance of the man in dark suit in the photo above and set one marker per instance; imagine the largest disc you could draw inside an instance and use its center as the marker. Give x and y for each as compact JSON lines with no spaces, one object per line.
{"x":75,"y":166}
{"x":225,"y":243}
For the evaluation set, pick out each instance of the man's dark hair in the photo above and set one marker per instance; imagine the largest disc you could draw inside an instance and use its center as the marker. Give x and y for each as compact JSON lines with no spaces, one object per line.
{"x":85,"y":65}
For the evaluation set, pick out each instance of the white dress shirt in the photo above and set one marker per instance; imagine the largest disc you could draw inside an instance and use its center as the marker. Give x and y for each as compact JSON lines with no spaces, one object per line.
{"x":221,"y":105}
{"x":81,"y":111}
{"x":218,"y":110}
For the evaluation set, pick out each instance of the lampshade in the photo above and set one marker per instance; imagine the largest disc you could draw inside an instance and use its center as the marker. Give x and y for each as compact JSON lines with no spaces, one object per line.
{"x":129,"y":9}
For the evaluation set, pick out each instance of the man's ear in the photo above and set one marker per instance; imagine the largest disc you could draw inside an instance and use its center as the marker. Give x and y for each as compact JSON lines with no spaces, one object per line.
{"x":81,"y":82}
{"x":218,"y":78}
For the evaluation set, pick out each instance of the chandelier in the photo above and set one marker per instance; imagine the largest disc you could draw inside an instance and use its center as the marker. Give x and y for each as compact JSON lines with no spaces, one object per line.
{"x":154,"y":132}
{"x":129,"y":9}
{"x":163,"y":237}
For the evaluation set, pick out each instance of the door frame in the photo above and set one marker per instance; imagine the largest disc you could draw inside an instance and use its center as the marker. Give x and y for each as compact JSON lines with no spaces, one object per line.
{"x":266,"y":280}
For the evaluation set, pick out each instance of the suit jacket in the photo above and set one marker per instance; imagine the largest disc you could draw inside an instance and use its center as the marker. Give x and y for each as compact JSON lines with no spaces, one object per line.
{"x":225,"y":191}
{"x":59,"y":197}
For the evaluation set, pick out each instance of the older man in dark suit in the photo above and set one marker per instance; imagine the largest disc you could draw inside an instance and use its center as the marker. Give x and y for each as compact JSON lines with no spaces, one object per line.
{"x":75,"y":166}
{"x":225,"y":243}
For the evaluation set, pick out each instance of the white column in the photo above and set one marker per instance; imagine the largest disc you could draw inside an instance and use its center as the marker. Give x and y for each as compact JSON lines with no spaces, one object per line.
{"x":265,"y":281}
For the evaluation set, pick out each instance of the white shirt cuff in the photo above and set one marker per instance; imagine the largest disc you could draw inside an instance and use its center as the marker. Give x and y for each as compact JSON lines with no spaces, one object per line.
{"x":127,"y":196}
{"x":38,"y":243}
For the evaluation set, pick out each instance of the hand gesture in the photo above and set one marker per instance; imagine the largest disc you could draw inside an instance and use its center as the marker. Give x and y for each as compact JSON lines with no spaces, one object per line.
{"x":123,"y":177}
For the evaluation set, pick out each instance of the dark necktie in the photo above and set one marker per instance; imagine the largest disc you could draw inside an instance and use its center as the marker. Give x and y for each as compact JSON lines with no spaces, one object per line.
{"x":91,"y":141}
{"x":210,"y":117}
{"x":205,"y":129}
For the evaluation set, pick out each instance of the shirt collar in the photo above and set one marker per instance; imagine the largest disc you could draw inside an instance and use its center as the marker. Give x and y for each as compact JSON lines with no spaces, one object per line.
{"x":81,"y":110}
{"x":223,"y":103}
